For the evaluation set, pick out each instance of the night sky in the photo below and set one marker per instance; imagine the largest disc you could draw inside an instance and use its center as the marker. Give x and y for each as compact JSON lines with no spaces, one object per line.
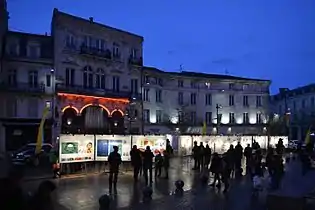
{"x":270,"y":39}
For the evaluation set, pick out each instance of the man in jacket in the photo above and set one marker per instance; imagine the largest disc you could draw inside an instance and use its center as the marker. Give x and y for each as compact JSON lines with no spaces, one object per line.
{"x":114,"y":160}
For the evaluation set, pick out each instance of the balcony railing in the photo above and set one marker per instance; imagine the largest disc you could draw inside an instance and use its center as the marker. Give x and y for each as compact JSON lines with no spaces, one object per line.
{"x":136,"y":61}
{"x":22,"y":87}
{"x":96,"y":52}
{"x":78,"y":89}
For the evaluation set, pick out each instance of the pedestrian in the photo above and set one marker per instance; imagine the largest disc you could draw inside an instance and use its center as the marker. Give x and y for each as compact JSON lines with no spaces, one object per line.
{"x":166,"y":163}
{"x":158,"y":164}
{"x":202,"y":155}
{"x":238,"y":159}
{"x":207,"y":156}
{"x":147,"y":165}
{"x":248,"y":152}
{"x":226,"y":173}
{"x":196,"y":156}
{"x":169,"y":148}
{"x":114,"y":160}
{"x":230,"y":156}
{"x":136,"y":162}
{"x":215,"y":168}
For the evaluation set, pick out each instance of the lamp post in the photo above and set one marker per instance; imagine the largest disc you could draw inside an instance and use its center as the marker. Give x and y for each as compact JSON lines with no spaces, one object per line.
{"x":53,"y":90}
{"x":218,"y":106}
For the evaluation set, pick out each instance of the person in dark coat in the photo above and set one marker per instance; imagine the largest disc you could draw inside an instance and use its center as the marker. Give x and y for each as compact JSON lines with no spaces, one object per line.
{"x":169,"y":148}
{"x":202,"y":155}
{"x":158,"y":165}
{"x":226,"y":173}
{"x":136,"y":162}
{"x":238,"y":151}
{"x":114,"y":160}
{"x":230,"y":158}
{"x":147,"y":164}
{"x":166,"y":163}
{"x":207,"y":156}
{"x":196,"y":156}
{"x":216,"y":169}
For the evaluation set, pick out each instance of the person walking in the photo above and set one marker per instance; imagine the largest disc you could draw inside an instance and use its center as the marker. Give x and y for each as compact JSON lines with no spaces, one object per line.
{"x":166,"y":163}
{"x":147,"y":164}
{"x":114,"y":160}
{"x":158,"y":165}
{"x":136,"y":162}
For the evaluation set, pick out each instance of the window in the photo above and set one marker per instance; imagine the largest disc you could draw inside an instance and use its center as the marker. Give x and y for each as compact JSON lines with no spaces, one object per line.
{"x":231,"y":118}
{"x":303,"y":104}
{"x":258,"y":118}
{"x":245,"y":87}
{"x":280,"y":109}
{"x":33,"y":51}
{"x":294,"y":104}
{"x":245,"y":100}
{"x":146,"y":115}
{"x":208,"y":85}
{"x":100,"y":79}
{"x":160,"y":82}
{"x":134,"y":86}
{"x":208,"y":118}
{"x":134,"y":53}
{"x":193,"y":84}
{"x":180,"y":98}
{"x":11,"y":107}
{"x":12,"y":77}
{"x":312,"y":102}
{"x":146,"y":95}
{"x":13,"y":49}
{"x":116,"y":84}
{"x":32,"y":108}
{"x":245,"y":118}
{"x":147,"y":79}
{"x":208,"y":99}
{"x":70,"y":41}
{"x":48,"y":104}
{"x":193,"y":117}
{"x":48,"y":80}
{"x":158,"y":96}
{"x":258,"y":101}
{"x":158,"y":116}
{"x":180,"y":83}
{"x":193,"y":97}
{"x":87,"y":77}
{"x":231,"y":86}
{"x":231,"y":100}
{"x":100,"y":44}
{"x":116,"y":53}
{"x":180,"y":115}
{"x":70,"y":77}
{"x":33,"y":79}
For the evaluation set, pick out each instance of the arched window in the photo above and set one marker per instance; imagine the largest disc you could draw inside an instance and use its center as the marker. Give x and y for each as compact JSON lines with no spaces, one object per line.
{"x":87,"y":77}
{"x":100,"y":78}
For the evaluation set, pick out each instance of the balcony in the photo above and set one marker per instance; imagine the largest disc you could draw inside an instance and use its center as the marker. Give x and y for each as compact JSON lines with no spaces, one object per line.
{"x":92,"y":51}
{"x":22,"y":88}
{"x":93,"y":91}
{"x":136,"y":61}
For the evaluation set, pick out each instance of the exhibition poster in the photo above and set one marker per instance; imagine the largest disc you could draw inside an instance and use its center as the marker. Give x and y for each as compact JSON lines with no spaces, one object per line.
{"x":156,"y":143}
{"x":76,"y":148}
{"x":105,"y":143}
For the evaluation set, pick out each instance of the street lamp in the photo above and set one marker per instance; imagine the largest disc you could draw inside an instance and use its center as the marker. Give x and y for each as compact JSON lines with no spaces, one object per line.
{"x":218,"y":106}
{"x":53,"y":89}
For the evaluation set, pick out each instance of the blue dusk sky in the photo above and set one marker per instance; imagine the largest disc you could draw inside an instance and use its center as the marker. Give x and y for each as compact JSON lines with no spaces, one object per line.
{"x":269,"y":39}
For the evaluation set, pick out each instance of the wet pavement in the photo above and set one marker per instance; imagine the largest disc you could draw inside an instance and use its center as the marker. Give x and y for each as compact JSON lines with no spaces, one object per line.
{"x":83,"y":193}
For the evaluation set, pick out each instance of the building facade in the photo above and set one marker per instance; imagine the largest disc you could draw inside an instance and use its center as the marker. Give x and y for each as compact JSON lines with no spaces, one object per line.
{"x":299,"y":105}
{"x":92,"y":78}
{"x":26,"y":84}
{"x":97,"y":72}
{"x":184,"y":101}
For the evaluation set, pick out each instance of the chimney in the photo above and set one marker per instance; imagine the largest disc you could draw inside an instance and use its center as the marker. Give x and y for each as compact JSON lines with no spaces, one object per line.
{"x":91,"y":19}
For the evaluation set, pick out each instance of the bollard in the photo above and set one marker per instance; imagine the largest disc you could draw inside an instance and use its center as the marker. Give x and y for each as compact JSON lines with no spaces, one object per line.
{"x":179,"y":184}
{"x":147,"y":194}
{"x":104,"y":202}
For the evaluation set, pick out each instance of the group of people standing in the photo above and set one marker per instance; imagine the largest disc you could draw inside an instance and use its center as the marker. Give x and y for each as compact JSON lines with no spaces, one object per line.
{"x":229,"y":164}
{"x":142,"y":163}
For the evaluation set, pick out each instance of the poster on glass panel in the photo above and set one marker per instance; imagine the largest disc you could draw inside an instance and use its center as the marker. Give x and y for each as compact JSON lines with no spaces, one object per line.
{"x":76,"y":148}
{"x":156,"y":143}
{"x":105,"y":144}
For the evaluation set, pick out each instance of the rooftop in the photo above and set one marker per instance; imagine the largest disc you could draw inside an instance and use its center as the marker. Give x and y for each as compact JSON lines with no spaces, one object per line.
{"x":204,"y":75}
{"x":299,"y":91}
{"x":57,"y":12}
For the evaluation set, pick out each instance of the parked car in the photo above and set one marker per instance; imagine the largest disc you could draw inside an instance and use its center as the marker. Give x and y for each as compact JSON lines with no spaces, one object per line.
{"x":26,"y":154}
